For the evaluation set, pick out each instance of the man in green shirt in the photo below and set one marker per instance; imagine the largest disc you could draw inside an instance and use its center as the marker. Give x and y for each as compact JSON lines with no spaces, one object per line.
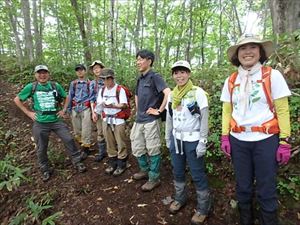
{"x":47,"y":116}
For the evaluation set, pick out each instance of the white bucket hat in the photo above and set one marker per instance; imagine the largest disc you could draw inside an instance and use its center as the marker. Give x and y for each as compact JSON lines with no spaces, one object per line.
{"x":250,"y":38}
{"x":182,"y":63}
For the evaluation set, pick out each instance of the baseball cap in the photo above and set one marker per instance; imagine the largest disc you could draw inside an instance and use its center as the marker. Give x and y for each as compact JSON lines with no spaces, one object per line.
{"x":97,"y":62}
{"x":80,"y":66}
{"x":106,"y":72}
{"x":182,"y":63}
{"x":40,"y":67}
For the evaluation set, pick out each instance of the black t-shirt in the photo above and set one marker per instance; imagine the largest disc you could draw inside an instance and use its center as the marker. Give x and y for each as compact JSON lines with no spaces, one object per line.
{"x":150,"y":94}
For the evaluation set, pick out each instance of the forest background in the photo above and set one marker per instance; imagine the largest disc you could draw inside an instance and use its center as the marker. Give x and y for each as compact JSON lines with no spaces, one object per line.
{"x":62,"y":33}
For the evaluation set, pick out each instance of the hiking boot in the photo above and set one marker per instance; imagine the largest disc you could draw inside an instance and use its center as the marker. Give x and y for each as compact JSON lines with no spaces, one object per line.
{"x":150,"y":185}
{"x":198,"y":218}
{"x":83,"y":156}
{"x":85,"y":151}
{"x":140,"y":175}
{"x":80,"y":167}
{"x":99,"y":158}
{"x":119,"y":171}
{"x":175,"y":207}
{"x":45,"y":176}
{"x":109,"y":170}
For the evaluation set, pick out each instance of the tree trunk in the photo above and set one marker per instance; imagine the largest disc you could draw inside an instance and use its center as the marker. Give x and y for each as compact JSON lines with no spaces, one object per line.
{"x":285,"y":15}
{"x":80,"y":20}
{"x":111,"y":33}
{"x":59,"y":35}
{"x":13,"y":23}
{"x":191,"y":30}
{"x":27,"y":30}
{"x":156,"y":33}
{"x":181,"y":29}
{"x":37,"y":32}
{"x":139,"y":23}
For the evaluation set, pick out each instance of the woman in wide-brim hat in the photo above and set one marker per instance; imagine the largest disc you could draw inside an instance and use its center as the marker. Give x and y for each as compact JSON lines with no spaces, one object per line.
{"x":255,"y":126}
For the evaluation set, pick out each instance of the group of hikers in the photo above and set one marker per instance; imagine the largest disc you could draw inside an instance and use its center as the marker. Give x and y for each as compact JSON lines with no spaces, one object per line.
{"x":255,"y":125}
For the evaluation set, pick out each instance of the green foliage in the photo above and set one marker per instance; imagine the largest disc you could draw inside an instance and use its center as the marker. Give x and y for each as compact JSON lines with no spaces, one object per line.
{"x":35,"y":212}
{"x":11,"y":176}
{"x":290,"y":186}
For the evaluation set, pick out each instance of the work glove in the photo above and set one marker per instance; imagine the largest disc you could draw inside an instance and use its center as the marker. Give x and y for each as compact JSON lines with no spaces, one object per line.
{"x":283,"y":154}
{"x":201,"y":149}
{"x":225,"y":145}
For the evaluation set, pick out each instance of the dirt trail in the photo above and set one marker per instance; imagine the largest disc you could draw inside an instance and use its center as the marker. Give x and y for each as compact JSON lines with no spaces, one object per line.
{"x":94,"y":197}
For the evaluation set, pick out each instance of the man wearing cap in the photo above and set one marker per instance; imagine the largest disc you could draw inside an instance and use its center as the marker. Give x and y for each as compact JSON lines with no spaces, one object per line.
{"x":255,"y":127}
{"x":110,"y":103}
{"x":97,"y":85}
{"x":186,"y":137}
{"x":151,"y":95}
{"x":80,"y":98}
{"x":47,"y":115}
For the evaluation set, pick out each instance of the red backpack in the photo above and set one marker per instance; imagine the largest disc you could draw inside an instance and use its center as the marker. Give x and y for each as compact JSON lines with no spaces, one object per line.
{"x":126,"y":112}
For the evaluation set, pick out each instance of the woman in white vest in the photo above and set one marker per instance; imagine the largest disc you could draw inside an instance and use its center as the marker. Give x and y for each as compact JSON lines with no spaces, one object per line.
{"x":186,"y":138}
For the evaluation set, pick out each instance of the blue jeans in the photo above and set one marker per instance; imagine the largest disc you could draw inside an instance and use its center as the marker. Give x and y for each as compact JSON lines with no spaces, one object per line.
{"x":196,"y":165}
{"x":256,"y":161}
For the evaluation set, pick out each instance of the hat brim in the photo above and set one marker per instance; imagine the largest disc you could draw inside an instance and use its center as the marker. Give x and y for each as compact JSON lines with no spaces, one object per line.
{"x":41,"y":70}
{"x":106,"y":76}
{"x":96,"y":63}
{"x":181,"y":66}
{"x":267,"y":46}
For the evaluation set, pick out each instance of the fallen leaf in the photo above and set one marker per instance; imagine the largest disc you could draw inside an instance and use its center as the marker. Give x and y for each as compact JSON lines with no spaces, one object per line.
{"x":99,"y":199}
{"x":109,"y":210}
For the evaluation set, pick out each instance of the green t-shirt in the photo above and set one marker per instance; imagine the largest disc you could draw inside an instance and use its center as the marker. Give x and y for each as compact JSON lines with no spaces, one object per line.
{"x":43,"y":100}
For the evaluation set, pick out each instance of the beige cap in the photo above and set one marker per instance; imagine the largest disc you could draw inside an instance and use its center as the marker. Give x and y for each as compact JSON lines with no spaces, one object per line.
{"x":182,"y":63}
{"x":250,"y":38}
{"x":41,"y":67}
{"x":97,"y":62}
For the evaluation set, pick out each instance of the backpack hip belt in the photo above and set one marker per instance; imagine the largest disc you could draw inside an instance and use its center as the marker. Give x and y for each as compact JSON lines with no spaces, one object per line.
{"x":269,"y":127}
{"x":87,"y":104}
{"x":46,"y":112}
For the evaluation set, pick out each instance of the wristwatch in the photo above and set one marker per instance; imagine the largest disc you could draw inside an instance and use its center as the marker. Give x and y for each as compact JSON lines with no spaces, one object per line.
{"x":203,"y":140}
{"x":158,"y":111}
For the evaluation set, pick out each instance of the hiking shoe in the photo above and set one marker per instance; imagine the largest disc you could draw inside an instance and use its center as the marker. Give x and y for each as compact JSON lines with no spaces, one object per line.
{"x":99,"y":158}
{"x":175,"y":207}
{"x":140,"y":175}
{"x":198,"y":218}
{"x":83,"y":156}
{"x":46,"y":176}
{"x":150,"y":185}
{"x":110,"y":169}
{"x":80,"y":167}
{"x":119,"y":171}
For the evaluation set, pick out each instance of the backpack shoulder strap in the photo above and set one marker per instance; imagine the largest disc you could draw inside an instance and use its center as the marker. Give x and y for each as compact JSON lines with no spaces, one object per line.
{"x":266,"y":83}
{"x":53,"y":85}
{"x":118,"y":89}
{"x":231,"y":82}
{"x":74,"y":82}
{"x":33,"y":89}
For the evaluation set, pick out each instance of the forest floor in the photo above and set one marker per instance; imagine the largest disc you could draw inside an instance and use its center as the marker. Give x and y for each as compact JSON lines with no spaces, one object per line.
{"x":96,"y":198}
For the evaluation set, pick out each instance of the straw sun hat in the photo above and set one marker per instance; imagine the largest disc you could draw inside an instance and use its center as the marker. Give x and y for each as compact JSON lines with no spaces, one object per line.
{"x":250,"y":38}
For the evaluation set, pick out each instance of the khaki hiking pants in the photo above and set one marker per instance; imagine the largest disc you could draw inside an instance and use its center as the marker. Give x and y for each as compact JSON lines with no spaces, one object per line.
{"x":116,"y":140}
{"x":82,"y":126}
